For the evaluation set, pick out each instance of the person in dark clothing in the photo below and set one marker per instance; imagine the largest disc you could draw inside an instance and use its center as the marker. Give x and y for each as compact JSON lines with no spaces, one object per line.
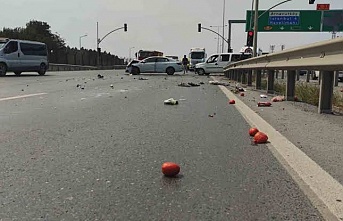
{"x":185,"y":63}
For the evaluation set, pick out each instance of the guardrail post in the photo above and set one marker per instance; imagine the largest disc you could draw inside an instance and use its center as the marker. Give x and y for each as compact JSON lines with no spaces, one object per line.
{"x":283,"y":74}
{"x":235,"y":75}
{"x":277,"y":74}
{"x":290,"y":85}
{"x":320,"y":77}
{"x":258,"y":79}
{"x":249,"y":77}
{"x":308,"y":75}
{"x":244,"y":77}
{"x":270,"y":82}
{"x":231,"y":74}
{"x":326,"y":92}
{"x":336,"y":78}
{"x":298,"y":75}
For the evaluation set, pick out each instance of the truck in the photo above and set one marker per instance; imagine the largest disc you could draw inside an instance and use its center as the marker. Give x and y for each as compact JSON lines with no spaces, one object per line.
{"x":142,"y":54}
{"x":196,"y":55}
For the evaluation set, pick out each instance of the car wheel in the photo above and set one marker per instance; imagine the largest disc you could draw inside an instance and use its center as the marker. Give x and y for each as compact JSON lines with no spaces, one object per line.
{"x":170,"y":71}
{"x":3,"y":69}
{"x":201,"y":71}
{"x":135,"y":70}
{"x":17,"y":73}
{"x":42,"y":69}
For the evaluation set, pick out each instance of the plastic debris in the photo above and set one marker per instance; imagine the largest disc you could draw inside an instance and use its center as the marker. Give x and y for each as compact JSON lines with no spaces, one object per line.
{"x":170,"y":169}
{"x":263,"y":96}
{"x":210,"y":115}
{"x":171,"y":101}
{"x":264,"y":104}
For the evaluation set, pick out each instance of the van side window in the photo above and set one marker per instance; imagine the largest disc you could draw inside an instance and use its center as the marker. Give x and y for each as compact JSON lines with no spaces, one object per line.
{"x":225,"y":57}
{"x":235,"y":57}
{"x":213,"y":59}
{"x":33,"y":49}
{"x":11,"y":47}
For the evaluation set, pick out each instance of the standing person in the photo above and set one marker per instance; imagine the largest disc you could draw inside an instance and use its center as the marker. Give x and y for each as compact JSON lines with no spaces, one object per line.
{"x":185,"y":63}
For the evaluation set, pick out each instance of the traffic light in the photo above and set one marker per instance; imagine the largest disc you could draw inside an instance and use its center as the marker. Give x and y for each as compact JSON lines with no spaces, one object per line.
{"x":250,"y":38}
{"x":125,"y":27}
{"x":199,"y":27}
{"x":311,"y":1}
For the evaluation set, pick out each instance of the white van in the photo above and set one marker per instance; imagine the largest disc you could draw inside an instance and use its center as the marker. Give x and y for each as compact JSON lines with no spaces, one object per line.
{"x":217,"y":62}
{"x":22,"y":56}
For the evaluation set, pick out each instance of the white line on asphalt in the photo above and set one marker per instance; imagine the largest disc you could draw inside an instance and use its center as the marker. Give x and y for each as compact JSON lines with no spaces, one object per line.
{"x":325,"y":193}
{"x":21,"y":96}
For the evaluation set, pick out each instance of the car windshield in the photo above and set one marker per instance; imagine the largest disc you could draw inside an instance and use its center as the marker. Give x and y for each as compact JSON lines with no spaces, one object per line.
{"x":197,"y":55}
{"x":2,"y":44}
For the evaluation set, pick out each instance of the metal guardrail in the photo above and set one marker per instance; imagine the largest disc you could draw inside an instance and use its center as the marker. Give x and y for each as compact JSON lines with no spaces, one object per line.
{"x":325,"y":56}
{"x":69,"y":67}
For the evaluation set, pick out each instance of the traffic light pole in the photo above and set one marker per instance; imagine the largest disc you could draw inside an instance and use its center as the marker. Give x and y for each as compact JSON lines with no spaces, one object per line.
{"x":255,"y":28}
{"x":199,"y":30}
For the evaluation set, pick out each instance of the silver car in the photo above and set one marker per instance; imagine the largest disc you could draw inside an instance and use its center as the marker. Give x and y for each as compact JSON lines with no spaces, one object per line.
{"x":157,"y":65}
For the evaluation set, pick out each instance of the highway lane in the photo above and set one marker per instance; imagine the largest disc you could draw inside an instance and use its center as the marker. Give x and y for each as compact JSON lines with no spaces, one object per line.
{"x":95,"y":153}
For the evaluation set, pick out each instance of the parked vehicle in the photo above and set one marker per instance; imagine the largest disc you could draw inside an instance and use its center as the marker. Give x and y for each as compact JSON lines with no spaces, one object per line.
{"x":196,"y":55}
{"x":23,"y":56}
{"x":216,"y":62}
{"x":129,"y":65}
{"x":157,"y":65}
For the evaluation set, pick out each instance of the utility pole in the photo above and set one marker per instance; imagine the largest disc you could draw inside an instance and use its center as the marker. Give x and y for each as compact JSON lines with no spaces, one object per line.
{"x":223,"y":34}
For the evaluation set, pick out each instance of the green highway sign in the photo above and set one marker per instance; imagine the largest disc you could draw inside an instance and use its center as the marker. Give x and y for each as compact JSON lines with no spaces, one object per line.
{"x":296,"y":21}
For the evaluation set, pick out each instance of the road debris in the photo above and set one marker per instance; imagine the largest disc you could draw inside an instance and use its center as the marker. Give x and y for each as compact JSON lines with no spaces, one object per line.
{"x":170,"y":169}
{"x":242,"y":94}
{"x":263,"y":96}
{"x":112,"y":86}
{"x":278,"y":98}
{"x":232,"y":102}
{"x":171,"y":101}
{"x":201,"y":82}
{"x":100,"y":76}
{"x":143,"y":79}
{"x":219,"y":83}
{"x":193,"y":84}
{"x":183,"y":85}
{"x":264,"y":104}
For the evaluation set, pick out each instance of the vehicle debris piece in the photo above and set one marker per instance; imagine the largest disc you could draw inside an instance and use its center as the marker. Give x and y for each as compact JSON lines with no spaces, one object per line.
{"x":100,"y":76}
{"x":193,"y":84}
{"x":171,"y":101}
{"x":263,"y":96}
{"x":143,"y":79}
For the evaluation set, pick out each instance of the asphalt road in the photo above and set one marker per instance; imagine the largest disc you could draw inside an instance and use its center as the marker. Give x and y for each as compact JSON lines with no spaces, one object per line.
{"x":68,"y":153}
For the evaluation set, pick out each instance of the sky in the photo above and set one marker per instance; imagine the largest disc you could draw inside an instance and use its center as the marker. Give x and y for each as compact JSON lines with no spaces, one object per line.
{"x":169,"y":26}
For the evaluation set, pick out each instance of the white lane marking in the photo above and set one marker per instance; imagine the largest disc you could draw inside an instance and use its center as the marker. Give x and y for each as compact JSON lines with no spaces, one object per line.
{"x":322,"y":189}
{"x":21,"y":96}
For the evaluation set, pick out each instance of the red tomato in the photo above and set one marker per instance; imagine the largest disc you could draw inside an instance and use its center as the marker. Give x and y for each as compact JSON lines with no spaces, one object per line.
{"x":260,"y":137}
{"x":253,"y":131}
{"x":170,"y":169}
{"x":232,"y":102}
{"x":242,"y":94}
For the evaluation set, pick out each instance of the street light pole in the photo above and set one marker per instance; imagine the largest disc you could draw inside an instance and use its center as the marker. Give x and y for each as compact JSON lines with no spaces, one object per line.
{"x":223,"y":25}
{"x":81,"y":38}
